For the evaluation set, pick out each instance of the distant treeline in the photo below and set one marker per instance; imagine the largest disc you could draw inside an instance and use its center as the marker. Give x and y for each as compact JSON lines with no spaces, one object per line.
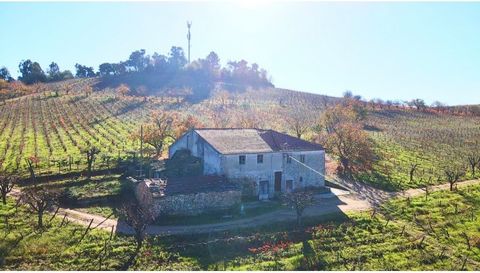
{"x":152,"y":72}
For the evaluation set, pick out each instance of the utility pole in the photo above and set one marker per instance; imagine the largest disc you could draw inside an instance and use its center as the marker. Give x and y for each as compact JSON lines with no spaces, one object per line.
{"x":141,"y":151}
{"x":189,"y":24}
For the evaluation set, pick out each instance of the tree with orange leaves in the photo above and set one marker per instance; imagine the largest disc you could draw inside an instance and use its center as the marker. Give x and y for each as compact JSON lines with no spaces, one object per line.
{"x":123,"y":89}
{"x":163,"y":126}
{"x":342,"y":135}
{"x":183,"y":125}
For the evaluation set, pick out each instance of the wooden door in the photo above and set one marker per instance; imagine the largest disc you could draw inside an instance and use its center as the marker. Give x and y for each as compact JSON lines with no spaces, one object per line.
{"x":278,"y":181}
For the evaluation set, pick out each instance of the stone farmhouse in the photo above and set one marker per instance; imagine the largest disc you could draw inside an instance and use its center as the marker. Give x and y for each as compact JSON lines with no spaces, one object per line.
{"x":271,"y":161}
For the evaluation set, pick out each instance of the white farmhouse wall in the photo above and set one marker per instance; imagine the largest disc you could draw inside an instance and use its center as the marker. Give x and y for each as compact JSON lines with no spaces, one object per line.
{"x":228,"y":165}
{"x":300,"y":175}
{"x":199,"y":148}
{"x":303,"y":176}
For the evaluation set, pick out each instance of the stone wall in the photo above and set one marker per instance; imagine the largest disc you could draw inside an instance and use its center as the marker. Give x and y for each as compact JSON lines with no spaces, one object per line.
{"x":187,"y":204}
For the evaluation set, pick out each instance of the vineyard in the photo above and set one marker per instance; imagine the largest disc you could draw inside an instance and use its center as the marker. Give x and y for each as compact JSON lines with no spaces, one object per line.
{"x":58,"y":120}
{"x":426,"y":142}
{"x":55,"y":125}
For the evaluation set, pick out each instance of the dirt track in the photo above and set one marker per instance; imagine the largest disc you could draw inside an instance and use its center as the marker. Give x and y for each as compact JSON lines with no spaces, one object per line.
{"x":362,"y":197}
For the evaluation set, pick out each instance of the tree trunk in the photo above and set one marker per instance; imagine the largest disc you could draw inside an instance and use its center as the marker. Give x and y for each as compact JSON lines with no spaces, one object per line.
{"x":158,"y":151}
{"x":89,"y":170}
{"x":4,"y":198}
{"x":131,"y":259}
{"x":299,"y":219}
{"x":40,"y":219}
{"x":451,"y":186}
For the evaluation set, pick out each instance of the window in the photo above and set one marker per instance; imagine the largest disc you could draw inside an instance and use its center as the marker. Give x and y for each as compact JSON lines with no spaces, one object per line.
{"x":302,"y":158}
{"x":241,"y":160}
{"x":289,"y":185}
{"x":263,"y":187}
{"x":259,"y":159}
{"x":301,"y":179}
{"x":289,"y":159}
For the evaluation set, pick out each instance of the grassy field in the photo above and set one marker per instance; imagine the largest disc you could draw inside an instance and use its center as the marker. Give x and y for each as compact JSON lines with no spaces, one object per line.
{"x":437,"y":232}
{"x":390,"y":239}
{"x":62,"y":248}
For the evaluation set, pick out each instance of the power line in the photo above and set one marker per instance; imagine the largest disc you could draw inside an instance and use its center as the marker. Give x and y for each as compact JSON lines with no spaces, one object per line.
{"x":331,"y":180}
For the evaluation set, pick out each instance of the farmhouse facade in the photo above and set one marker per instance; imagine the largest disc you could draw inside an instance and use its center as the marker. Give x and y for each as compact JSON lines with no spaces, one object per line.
{"x":272,"y":161}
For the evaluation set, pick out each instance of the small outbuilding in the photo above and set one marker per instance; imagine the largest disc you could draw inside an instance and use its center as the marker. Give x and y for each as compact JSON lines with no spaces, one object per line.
{"x":188,"y":195}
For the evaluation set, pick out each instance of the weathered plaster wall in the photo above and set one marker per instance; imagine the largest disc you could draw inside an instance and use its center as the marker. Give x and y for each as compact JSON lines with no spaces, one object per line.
{"x":295,"y":170}
{"x":199,"y":148}
{"x":273,"y":162}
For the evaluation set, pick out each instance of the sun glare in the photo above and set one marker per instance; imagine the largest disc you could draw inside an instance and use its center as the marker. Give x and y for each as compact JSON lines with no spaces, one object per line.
{"x":253,"y":4}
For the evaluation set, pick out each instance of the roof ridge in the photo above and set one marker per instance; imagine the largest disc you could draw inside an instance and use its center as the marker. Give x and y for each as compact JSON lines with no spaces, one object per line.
{"x":232,"y":128}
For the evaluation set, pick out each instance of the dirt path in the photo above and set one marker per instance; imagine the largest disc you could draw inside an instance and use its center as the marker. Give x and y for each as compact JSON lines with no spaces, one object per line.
{"x":362,"y":197}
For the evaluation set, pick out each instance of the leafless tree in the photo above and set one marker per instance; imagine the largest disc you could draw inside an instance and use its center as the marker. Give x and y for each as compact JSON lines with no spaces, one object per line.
{"x":299,"y":200}
{"x":299,"y":121}
{"x":453,"y":174}
{"x":473,"y":161}
{"x":413,"y":169}
{"x":138,"y":218}
{"x":7,"y":182}
{"x":39,"y":199}
{"x":91,"y":154}
{"x":30,"y":161}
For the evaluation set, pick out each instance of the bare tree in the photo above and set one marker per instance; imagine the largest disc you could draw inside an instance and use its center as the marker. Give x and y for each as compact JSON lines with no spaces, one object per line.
{"x":30,"y":161}
{"x":473,"y":161}
{"x":299,"y":200}
{"x":299,"y":121}
{"x":91,"y":153}
{"x":7,"y":182}
{"x":138,"y":218}
{"x":453,"y":174}
{"x":413,"y":169}
{"x":39,"y":199}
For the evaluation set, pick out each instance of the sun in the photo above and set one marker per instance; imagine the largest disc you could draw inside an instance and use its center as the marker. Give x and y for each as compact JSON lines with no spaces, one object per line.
{"x":253,"y":4}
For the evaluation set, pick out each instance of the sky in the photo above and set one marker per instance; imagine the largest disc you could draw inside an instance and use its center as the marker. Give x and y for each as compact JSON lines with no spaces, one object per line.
{"x":395,"y":51}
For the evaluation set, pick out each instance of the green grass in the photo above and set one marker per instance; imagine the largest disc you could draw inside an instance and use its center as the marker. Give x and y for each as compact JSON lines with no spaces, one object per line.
{"x":390,"y":239}
{"x":60,"y":248}
{"x":101,"y":195}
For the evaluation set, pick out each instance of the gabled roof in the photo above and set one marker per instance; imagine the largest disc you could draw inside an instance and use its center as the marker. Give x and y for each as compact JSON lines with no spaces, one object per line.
{"x":237,"y":141}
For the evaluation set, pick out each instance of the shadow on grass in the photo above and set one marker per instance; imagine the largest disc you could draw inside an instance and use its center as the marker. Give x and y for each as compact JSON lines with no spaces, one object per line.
{"x":214,"y":249}
{"x":380,"y":181}
{"x":212,"y":246}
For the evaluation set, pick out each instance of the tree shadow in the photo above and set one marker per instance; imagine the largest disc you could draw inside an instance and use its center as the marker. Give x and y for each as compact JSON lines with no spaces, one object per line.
{"x":215,"y":247}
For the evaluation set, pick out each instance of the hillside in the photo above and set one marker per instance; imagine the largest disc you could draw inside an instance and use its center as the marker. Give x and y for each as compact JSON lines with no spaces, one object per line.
{"x":59,"y":120}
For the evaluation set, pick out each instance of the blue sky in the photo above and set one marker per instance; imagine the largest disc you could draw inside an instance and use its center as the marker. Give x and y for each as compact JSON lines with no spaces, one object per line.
{"x":378,"y":50}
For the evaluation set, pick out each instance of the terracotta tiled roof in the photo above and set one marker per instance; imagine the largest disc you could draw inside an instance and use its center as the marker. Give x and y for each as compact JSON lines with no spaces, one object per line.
{"x":236,"y":141}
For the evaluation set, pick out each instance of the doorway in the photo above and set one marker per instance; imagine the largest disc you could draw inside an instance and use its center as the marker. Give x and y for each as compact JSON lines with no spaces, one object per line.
{"x":278,"y":181}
